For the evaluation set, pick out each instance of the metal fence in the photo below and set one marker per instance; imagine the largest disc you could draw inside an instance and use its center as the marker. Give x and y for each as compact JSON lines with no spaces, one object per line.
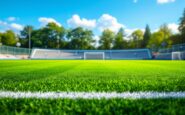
{"x":166,"y":54}
{"x":175,"y":48}
{"x":80,"y":54}
{"x":14,"y":50}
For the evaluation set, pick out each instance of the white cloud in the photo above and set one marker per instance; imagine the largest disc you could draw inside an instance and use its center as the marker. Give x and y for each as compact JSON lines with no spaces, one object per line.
{"x":107,"y":21}
{"x":16,"y":26}
{"x":76,"y":21}
{"x":164,"y":1}
{"x":2,"y":23}
{"x":173,"y":27}
{"x":44,"y":21}
{"x":10,"y":26}
{"x":11,"y":19}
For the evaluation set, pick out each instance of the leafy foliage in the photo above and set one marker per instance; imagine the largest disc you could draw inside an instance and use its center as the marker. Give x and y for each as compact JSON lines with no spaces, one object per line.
{"x":146,"y":37}
{"x":106,"y":39}
{"x":80,"y":38}
{"x":9,"y":38}
{"x":119,"y":42}
{"x":182,"y":27}
{"x":137,"y":38}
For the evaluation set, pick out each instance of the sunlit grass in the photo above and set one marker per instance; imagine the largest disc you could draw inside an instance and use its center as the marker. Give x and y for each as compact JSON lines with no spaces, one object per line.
{"x":97,"y":76}
{"x":92,"y":75}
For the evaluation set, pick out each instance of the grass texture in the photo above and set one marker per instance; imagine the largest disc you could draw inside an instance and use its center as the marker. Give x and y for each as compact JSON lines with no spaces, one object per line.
{"x":108,"y":76}
{"x":92,"y":76}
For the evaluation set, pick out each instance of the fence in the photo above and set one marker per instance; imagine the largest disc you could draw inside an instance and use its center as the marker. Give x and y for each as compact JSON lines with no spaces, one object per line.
{"x":166,"y":54}
{"x":80,"y":54}
{"x":175,"y":48}
{"x":14,"y":50}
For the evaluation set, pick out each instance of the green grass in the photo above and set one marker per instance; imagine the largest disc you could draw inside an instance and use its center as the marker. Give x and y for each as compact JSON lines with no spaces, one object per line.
{"x":94,"y":107}
{"x":108,"y":76}
{"x":116,"y":76}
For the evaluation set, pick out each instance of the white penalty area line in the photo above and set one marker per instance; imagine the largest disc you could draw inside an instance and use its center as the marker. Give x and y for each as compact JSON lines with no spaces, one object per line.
{"x":91,"y":95}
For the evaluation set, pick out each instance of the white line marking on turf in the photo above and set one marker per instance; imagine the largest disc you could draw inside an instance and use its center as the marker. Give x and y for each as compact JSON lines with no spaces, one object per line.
{"x":91,"y":95}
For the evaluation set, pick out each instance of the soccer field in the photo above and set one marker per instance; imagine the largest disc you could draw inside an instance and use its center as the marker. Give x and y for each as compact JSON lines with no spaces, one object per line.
{"x":92,"y":77}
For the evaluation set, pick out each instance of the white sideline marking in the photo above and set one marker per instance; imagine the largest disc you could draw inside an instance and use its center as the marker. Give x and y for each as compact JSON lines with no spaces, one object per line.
{"x":91,"y":95}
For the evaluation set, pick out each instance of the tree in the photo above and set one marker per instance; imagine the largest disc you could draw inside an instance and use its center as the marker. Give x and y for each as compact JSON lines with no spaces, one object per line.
{"x":26,"y":34}
{"x":182,"y":27}
{"x":9,"y":38}
{"x":80,"y":38}
{"x":50,"y":36}
{"x":54,"y":34}
{"x":158,"y":41}
{"x":167,"y":33}
{"x":146,"y":37}
{"x":137,"y":38}
{"x":106,"y":39}
{"x":27,"y":30}
{"x":176,"y":39}
{"x":1,"y":38}
{"x":119,"y":42}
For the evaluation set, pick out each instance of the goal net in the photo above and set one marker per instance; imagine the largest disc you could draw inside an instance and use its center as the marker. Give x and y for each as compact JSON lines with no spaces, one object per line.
{"x":94,"y":55}
{"x":177,"y":55}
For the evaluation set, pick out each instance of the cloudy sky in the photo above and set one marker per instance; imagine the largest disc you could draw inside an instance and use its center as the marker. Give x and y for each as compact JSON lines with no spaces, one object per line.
{"x":96,"y":15}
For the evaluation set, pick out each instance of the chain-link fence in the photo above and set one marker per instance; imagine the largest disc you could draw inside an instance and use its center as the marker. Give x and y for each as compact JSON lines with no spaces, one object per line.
{"x":167,"y":52}
{"x":14,"y":50}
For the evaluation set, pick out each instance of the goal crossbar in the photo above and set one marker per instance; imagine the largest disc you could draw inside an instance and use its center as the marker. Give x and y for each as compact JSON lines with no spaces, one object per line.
{"x":94,"y":55}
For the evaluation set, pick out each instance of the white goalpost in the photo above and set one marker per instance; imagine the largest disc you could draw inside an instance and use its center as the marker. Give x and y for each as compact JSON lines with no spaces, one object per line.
{"x":94,"y":55}
{"x":176,"y":56}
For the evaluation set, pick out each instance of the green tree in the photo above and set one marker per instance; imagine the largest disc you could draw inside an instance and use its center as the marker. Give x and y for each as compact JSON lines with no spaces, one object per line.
{"x":167,"y":32}
{"x":167,"y":42}
{"x":1,"y":38}
{"x":80,"y":38}
{"x":137,"y":36}
{"x":182,"y":27}
{"x":50,"y":36}
{"x":156,"y":40}
{"x":106,"y":39}
{"x":146,"y":37}
{"x":176,"y":39}
{"x":119,"y":42}
{"x":54,"y":35}
{"x":9,"y":38}
{"x":27,"y":31}
{"x":25,"y":34}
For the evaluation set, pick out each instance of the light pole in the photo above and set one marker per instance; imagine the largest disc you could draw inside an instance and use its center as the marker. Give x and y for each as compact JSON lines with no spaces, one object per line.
{"x":58,"y":40}
{"x":29,"y":37}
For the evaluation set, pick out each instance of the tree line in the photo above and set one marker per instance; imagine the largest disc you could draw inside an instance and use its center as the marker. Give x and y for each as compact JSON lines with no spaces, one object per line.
{"x":54,"y":36}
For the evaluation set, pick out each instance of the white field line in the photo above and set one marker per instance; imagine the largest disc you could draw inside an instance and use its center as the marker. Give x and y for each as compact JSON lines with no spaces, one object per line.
{"x":91,"y":95}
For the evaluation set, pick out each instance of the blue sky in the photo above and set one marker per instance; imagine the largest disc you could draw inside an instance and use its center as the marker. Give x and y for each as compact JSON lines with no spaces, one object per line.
{"x":91,"y":14}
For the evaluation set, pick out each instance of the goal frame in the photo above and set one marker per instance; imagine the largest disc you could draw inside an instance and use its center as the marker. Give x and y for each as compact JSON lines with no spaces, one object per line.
{"x":176,"y":55}
{"x":95,"y":53}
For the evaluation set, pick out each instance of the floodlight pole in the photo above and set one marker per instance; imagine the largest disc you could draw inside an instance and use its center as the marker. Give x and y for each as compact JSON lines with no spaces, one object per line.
{"x":29,"y":36}
{"x":58,"y":41}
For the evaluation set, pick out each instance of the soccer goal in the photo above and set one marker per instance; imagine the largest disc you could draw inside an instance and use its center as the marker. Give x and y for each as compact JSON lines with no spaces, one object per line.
{"x":94,"y":55}
{"x":176,"y":55}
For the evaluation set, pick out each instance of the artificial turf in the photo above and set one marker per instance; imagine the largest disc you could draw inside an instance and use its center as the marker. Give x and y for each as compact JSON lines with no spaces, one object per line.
{"x":96,"y":76}
{"x":93,"y":107}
